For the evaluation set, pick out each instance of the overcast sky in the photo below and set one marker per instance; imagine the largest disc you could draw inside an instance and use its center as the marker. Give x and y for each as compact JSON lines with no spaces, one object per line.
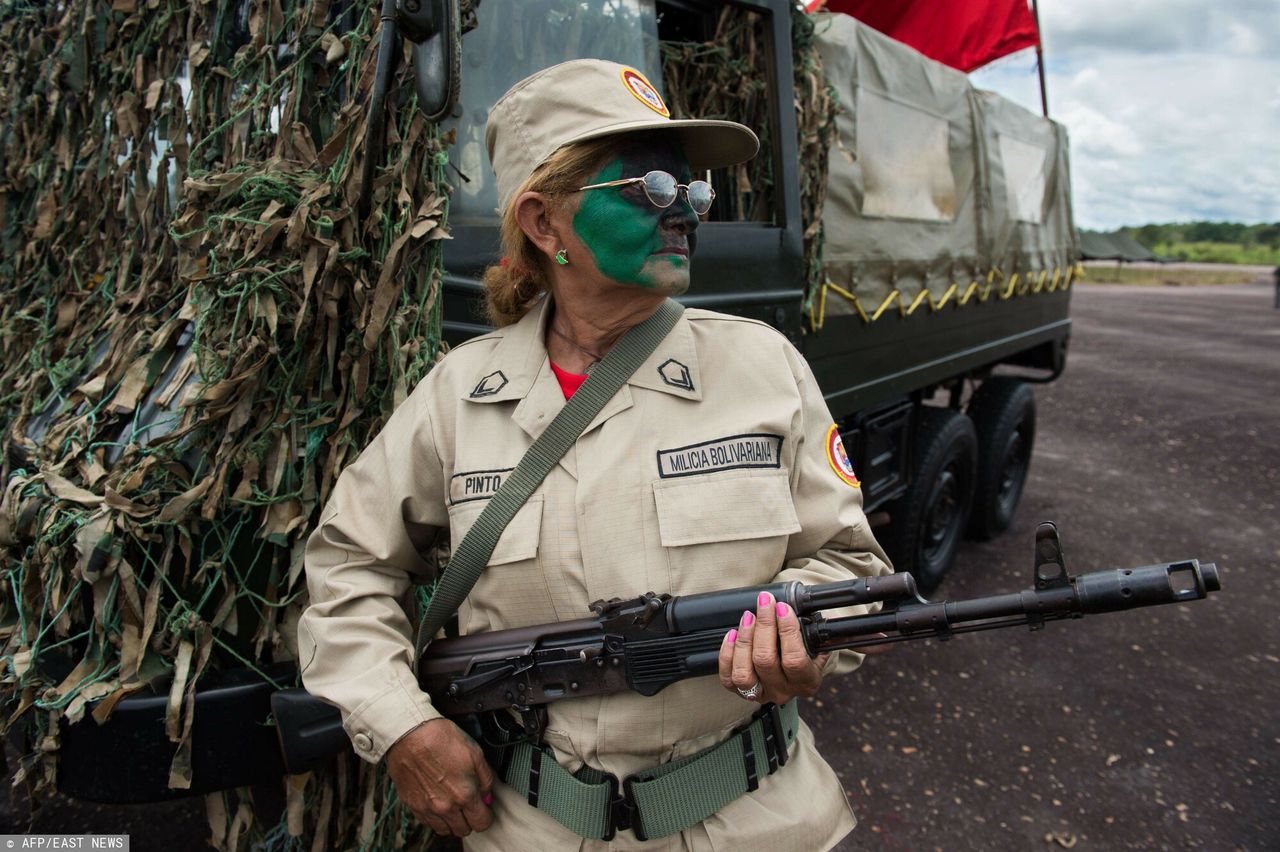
{"x":1173,"y":106}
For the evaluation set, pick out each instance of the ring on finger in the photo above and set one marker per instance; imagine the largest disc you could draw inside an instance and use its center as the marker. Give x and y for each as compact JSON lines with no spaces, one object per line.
{"x":752,"y":693}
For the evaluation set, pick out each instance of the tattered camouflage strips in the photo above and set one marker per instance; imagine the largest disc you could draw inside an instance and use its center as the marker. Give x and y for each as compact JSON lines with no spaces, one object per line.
{"x":197,"y":337}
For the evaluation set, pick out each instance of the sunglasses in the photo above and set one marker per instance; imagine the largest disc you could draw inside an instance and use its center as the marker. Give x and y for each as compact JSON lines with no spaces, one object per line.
{"x":662,"y":190}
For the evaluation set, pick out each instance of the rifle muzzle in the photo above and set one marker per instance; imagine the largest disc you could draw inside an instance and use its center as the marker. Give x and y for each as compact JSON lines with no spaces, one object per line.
{"x":1129,"y":588}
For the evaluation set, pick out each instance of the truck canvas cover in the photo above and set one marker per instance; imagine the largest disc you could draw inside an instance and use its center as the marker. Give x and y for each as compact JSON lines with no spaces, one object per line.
{"x":936,"y":190}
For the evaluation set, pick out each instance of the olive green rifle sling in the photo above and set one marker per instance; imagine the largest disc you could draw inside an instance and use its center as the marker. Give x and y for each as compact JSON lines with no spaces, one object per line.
{"x":605,"y":379}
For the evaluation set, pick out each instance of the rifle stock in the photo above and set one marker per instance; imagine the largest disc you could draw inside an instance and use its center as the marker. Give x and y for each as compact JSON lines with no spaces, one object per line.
{"x":648,"y":643}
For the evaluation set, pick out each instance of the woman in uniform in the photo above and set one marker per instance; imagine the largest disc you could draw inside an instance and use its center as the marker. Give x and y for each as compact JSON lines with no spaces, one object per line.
{"x":716,"y":466}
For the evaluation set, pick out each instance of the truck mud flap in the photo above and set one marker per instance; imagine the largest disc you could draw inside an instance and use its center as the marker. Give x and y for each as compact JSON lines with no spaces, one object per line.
{"x":126,"y":760}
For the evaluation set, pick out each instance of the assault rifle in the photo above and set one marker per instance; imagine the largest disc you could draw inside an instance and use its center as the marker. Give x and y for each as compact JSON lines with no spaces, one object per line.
{"x":648,"y":643}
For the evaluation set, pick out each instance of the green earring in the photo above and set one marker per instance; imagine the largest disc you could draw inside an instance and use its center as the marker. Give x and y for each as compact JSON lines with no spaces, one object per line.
{"x":561,"y":258}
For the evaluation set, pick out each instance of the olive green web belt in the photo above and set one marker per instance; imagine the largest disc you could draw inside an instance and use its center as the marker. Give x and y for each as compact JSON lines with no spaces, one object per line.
{"x":665,"y":799}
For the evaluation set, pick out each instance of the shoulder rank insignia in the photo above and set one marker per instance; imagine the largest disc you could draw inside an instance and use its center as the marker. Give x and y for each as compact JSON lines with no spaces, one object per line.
{"x":676,"y":374}
{"x":839,"y":459}
{"x":490,"y":384}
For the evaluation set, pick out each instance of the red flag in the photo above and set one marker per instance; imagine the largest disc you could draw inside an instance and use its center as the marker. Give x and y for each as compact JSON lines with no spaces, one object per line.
{"x":964,"y":34}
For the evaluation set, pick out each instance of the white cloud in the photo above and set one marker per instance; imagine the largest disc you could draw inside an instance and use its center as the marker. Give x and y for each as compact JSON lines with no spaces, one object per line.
{"x":1095,"y":134}
{"x":1159,"y":26}
{"x":1172,"y":106}
{"x":1243,"y":39}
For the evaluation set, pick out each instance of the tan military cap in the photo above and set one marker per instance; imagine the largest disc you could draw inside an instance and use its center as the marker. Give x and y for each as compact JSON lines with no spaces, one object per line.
{"x":589,"y":98}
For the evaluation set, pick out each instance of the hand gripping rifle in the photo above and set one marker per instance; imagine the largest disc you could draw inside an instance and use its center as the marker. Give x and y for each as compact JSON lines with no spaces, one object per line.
{"x":648,"y":643}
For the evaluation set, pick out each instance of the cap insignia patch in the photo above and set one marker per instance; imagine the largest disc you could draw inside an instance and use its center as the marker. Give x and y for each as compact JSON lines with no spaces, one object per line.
{"x":839,"y":459}
{"x":644,"y":91}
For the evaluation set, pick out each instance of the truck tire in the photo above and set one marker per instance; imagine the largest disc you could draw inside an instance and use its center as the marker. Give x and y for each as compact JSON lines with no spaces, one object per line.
{"x":929,"y":520}
{"x":1003,"y":412}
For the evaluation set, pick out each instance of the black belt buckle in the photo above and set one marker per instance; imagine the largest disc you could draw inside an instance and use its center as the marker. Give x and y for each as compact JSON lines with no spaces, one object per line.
{"x":623,"y":812}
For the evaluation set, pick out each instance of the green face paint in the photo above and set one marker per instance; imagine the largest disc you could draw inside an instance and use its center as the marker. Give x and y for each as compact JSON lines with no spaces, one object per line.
{"x":632,"y":241}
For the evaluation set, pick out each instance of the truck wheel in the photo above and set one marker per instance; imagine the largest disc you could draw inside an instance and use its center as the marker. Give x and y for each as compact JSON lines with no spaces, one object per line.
{"x":929,"y":520}
{"x":1003,"y":412}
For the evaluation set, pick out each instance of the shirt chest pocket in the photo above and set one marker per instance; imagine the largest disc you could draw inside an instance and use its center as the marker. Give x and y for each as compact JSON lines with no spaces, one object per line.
{"x":724,"y":531}
{"x":512,"y":590}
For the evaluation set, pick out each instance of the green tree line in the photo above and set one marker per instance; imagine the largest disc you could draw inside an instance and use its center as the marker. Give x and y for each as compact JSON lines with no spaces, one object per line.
{"x":1213,"y":242}
{"x":1207,"y":232}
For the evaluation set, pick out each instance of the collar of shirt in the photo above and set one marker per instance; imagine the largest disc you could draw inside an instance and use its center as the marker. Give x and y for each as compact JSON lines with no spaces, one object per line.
{"x":519,"y":363}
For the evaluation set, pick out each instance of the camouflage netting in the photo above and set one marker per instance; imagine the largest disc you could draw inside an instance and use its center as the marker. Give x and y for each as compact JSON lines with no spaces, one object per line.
{"x":198,"y":334}
{"x":728,"y":77}
{"x":722,"y":78}
{"x":816,"y":109}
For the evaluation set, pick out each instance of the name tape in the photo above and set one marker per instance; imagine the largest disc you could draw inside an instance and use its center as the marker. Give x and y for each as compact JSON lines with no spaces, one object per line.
{"x":474,"y":485}
{"x":728,"y":453}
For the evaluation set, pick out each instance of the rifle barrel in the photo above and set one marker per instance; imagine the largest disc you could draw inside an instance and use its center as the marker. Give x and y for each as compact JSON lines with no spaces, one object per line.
{"x":1088,"y":594}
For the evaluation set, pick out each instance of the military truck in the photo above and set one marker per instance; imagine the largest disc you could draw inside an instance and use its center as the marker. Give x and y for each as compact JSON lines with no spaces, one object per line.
{"x":949,"y":246}
{"x":911,"y":234}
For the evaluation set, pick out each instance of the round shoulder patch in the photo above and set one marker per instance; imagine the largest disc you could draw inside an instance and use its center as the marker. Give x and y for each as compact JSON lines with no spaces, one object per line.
{"x":644,"y":91}
{"x":839,"y":459}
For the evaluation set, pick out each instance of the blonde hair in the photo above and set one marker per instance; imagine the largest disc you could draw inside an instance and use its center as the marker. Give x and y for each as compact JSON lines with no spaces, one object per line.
{"x":513,"y":285}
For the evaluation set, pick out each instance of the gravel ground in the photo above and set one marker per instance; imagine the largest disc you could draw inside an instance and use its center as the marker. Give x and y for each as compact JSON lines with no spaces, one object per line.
{"x":1142,"y":730}
{"x":1151,"y":729}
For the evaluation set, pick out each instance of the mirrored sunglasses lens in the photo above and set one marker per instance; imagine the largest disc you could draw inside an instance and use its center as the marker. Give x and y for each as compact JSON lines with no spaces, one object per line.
{"x":700,"y":196}
{"x":661,"y":188}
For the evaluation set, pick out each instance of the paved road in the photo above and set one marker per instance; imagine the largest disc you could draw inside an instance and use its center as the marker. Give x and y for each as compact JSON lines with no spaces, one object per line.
{"x":1150,"y":729}
{"x":1246,"y":272}
{"x":1142,"y":730}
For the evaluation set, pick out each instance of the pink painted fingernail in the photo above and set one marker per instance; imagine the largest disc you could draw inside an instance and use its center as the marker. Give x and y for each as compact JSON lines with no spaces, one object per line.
{"x":765,"y":599}
{"x":488,"y":798}
{"x":783,"y":610}
{"x":732,"y":637}
{"x":747,"y":619}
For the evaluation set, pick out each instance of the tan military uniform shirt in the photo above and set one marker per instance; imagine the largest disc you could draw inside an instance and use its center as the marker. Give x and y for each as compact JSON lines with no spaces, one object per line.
{"x":709,"y":469}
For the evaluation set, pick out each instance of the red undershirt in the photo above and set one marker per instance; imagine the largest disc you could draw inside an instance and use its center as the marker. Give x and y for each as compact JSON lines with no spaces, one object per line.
{"x":569,"y":382}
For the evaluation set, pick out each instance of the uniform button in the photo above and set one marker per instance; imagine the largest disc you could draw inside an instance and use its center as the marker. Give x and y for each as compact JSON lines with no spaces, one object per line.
{"x":363,"y":742}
